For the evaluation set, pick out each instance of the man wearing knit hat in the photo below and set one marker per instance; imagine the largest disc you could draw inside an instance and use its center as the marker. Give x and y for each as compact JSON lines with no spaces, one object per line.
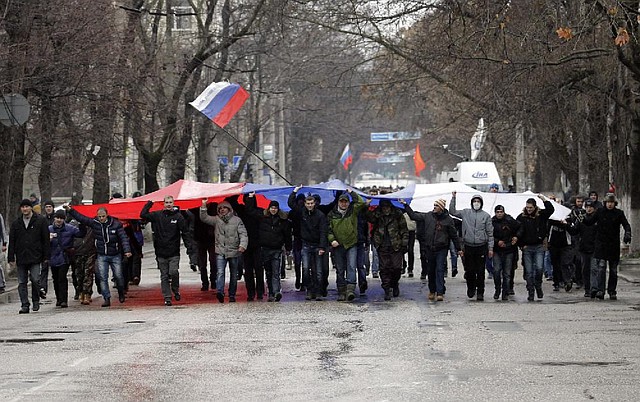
{"x":438,"y":233}
{"x":477,"y":236}
{"x":28,"y":248}
{"x":274,"y":233}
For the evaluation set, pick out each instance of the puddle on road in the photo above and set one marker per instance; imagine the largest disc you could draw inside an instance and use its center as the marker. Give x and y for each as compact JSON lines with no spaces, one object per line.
{"x":53,"y":332}
{"x":508,"y":326}
{"x":31,"y":340}
{"x":581,"y":364}
{"x":439,"y":325}
{"x":135,"y":322}
{"x":444,"y":355}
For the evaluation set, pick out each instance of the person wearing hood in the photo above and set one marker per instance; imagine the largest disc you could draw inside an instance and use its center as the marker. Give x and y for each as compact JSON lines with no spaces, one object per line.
{"x":231,"y":241}
{"x":343,"y":237}
{"x":390,"y":237}
{"x":168,"y":225}
{"x":477,"y":238}
{"x":274,"y":233}
{"x":438,"y":231}
{"x":534,"y":233}
{"x":110,"y":242}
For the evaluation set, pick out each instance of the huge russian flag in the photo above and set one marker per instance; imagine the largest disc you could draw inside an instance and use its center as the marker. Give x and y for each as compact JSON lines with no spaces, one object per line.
{"x":220,"y":101}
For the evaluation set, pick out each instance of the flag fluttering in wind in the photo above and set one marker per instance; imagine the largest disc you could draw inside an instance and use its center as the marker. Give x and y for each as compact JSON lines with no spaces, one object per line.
{"x":418,"y":162}
{"x":220,"y":101}
{"x":346,"y":157}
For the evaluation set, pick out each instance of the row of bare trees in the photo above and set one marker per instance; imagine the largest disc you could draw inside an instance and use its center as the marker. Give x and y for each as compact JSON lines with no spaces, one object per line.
{"x":99,"y":73}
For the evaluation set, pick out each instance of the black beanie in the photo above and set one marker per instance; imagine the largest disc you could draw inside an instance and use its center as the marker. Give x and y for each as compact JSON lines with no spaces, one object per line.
{"x":49,"y":202}
{"x":26,"y":203}
{"x":60,"y":214}
{"x":274,"y":204}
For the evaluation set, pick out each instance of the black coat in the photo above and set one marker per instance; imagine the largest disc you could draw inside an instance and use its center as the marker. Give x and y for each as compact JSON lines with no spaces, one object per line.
{"x":110,"y":238}
{"x":313,"y":225}
{"x":274,"y":231}
{"x":504,"y":230}
{"x":534,"y":226}
{"x":607,"y":241}
{"x":167,"y":227}
{"x":29,"y":245}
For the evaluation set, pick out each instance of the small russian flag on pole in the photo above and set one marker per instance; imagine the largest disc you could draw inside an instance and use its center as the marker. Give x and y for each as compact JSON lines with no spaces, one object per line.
{"x":220,"y":101}
{"x":346,"y":157}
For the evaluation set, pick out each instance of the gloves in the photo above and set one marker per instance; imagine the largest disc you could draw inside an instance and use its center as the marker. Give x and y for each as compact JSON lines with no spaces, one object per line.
{"x":627,"y":238}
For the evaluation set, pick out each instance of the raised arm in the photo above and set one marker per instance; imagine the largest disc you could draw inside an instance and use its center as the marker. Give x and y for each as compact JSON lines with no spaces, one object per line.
{"x":452,"y":206}
{"x":204,"y":216}
{"x":145,"y":214}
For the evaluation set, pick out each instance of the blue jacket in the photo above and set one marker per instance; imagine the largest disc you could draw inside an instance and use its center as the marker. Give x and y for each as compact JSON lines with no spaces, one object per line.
{"x":61,"y":241}
{"x":109,"y":236}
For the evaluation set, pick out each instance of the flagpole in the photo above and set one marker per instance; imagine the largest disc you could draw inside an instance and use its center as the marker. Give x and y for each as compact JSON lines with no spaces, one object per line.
{"x":256,"y":155}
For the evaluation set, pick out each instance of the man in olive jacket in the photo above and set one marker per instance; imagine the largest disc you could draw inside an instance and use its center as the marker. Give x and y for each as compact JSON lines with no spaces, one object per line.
{"x":231,"y":241}
{"x":390,"y":238}
{"x":343,"y":237}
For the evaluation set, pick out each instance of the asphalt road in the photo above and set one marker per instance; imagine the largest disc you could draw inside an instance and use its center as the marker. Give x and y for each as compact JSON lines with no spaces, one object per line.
{"x":563,"y":348}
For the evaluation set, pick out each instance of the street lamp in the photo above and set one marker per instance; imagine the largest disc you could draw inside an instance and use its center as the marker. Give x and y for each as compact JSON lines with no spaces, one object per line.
{"x":445,"y":148}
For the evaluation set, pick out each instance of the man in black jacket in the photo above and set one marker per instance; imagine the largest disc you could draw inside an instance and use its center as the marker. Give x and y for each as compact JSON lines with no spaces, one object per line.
{"x":274,"y":233}
{"x":506,"y":231}
{"x":313,"y":232}
{"x":534,"y":233}
{"x":438,"y":231}
{"x":167,"y":226}
{"x":586,"y":245}
{"x":607,"y":246}
{"x":28,"y":248}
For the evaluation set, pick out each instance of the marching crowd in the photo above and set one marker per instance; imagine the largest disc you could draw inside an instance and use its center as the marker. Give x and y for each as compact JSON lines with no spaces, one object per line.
{"x":254,"y":242}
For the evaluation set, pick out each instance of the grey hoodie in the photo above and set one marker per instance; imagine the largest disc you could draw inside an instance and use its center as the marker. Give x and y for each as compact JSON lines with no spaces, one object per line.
{"x":477,"y":228}
{"x":230,"y":233}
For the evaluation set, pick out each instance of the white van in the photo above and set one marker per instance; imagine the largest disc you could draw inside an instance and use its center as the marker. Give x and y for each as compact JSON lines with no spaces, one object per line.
{"x":479,"y":175}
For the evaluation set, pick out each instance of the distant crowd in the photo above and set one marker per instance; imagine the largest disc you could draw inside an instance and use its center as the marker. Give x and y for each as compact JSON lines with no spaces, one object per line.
{"x":359,"y":240}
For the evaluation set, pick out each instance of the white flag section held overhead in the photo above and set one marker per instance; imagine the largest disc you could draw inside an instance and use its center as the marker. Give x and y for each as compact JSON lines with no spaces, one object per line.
{"x":477,"y":139}
{"x":220,"y":101}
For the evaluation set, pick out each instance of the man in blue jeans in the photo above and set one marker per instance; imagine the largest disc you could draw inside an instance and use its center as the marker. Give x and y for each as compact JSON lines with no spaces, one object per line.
{"x":438,"y":230}
{"x":533,"y":221}
{"x":313,"y":233}
{"x":274,"y":232}
{"x":111,"y":242}
{"x":231,"y":241}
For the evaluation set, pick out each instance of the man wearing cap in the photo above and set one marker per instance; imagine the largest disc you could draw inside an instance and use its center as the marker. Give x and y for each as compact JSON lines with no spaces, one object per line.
{"x":29,"y":247}
{"x":438,"y":232}
{"x":607,"y":246}
{"x":506,"y":232}
{"x":343,"y":237}
{"x":274,"y":233}
{"x":231,"y":241}
{"x":168,"y":225}
{"x":62,"y":236}
{"x":477,"y":237}
{"x":534,"y":233}
{"x":390,"y":237}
